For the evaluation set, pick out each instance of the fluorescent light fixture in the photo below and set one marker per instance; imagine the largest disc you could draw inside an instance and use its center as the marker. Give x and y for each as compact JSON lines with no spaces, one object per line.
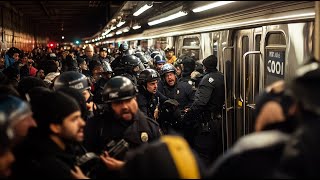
{"x":121,"y":23}
{"x":118,"y":32}
{"x":211,"y":6}
{"x":142,"y":9}
{"x":86,"y":41}
{"x":62,"y":37}
{"x":136,"y":26}
{"x":168,"y":18}
{"x":126,"y":29}
{"x":113,"y":27}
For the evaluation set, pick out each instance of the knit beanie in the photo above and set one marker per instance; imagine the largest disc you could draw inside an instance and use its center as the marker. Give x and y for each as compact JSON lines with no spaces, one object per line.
{"x":51,"y":107}
{"x":210,"y":62}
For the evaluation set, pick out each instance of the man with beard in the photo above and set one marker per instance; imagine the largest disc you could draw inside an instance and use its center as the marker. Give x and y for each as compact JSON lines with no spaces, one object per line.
{"x":44,"y":153}
{"x":121,"y":119}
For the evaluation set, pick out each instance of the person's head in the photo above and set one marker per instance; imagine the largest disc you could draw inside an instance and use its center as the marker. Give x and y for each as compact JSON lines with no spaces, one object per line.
{"x":82,"y":64}
{"x":27,"y":83}
{"x":142,"y":58}
{"x":169,"y":53}
{"x":168,"y":73}
{"x":107,"y":70}
{"x":210,"y":63}
{"x":14,"y":53}
{"x":89,"y":51}
{"x":188,"y":65}
{"x":169,"y":157}
{"x":304,"y":88}
{"x":159,"y":61}
{"x":19,"y":116}
{"x":1,"y":63}
{"x":74,"y":80}
{"x":274,"y":107}
{"x":120,"y":93}
{"x":60,"y":118}
{"x":6,"y":137}
{"x":148,"y":79}
{"x":130,"y":64}
{"x":40,"y":74}
{"x":157,"y":45}
{"x":178,"y":69}
{"x":103,"y":52}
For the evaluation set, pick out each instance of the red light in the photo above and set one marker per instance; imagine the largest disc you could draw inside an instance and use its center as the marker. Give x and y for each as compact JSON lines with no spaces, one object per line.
{"x":51,"y":45}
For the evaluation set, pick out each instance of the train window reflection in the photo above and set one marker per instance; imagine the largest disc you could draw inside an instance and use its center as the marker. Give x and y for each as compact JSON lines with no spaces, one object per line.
{"x":276,"y":39}
{"x":194,"y":41}
{"x":191,"y":52}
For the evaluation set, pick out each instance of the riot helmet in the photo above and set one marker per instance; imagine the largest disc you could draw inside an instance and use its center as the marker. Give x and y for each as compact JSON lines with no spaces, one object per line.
{"x":167,"y":68}
{"x":142,"y":58}
{"x":159,"y":59}
{"x":118,"y":88}
{"x":72,"y":79}
{"x":129,"y":62}
{"x":148,"y":75}
{"x":154,"y":53}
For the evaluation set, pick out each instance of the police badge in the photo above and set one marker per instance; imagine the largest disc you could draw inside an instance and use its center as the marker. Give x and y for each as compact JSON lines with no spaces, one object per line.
{"x":144,"y":137}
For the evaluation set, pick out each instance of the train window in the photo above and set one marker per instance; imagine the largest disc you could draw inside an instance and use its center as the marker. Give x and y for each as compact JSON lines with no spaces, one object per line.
{"x":191,"y":52}
{"x":257,"y":62}
{"x":215,"y":48}
{"x":245,"y":48}
{"x":192,"y":41}
{"x":276,"y":39}
{"x":275,"y":57}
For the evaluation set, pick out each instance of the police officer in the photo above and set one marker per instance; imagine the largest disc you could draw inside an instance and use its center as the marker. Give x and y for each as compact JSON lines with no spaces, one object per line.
{"x":131,"y":67}
{"x":203,"y":119}
{"x":174,"y":89}
{"x":115,"y":64}
{"x":80,"y":82}
{"x":121,"y":120}
{"x":159,"y":61}
{"x":148,"y":87}
{"x":103,"y":55}
{"x":106,"y":75}
{"x":143,"y":59}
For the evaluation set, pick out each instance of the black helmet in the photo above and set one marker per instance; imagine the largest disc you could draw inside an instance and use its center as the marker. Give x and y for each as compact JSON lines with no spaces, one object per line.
{"x":118,"y":88}
{"x":142,"y":58}
{"x":167,"y":68}
{"x":72,"y":79}
{"x":159,"y":59}
{"x":154,"y":53}
{"x":130,"y":61}
{"x":148,"y":75}
{"x":123,"y":47}
{"x":106,"y":67}
{"x":304,"y":87}
{"x":14,"y":109}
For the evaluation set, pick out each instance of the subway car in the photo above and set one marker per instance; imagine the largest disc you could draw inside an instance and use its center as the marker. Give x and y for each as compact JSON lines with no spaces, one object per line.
{"x":255,"y":47}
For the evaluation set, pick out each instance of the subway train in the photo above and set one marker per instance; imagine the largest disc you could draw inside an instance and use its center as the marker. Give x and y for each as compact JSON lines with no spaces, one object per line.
{"x":255,"y":46}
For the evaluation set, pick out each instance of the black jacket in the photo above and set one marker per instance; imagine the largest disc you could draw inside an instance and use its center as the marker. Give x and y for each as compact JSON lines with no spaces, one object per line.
{"x":210,"y":95}
{"x":39,"y":157}
{"x":102,"y":129}
{"x":147,"y":102}
{"x":181,"y":91}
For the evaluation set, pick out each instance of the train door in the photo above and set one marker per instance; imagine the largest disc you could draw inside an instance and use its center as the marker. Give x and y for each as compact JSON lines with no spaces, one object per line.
{"x":246,"y":79}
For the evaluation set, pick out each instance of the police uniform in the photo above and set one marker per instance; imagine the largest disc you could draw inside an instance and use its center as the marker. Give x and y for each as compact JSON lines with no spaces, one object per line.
{"x":147,"y":102}
{"x":106,"y":127}
{"x":203,"y":121}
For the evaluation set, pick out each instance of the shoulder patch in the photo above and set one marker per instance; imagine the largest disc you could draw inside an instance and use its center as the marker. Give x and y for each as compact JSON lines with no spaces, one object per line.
{"x":211,"y":80}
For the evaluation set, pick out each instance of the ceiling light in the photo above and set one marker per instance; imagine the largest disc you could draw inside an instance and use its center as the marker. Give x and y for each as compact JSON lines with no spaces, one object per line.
{"x":136,"y":26}
{"x":142,"y":9}
{"x":211,"y":6}
{"x":113,"y":27}
{"x":121,"y":23}
{"x":168,"y":18}
{"x":118,"y":32}
{"x":126,"y":29}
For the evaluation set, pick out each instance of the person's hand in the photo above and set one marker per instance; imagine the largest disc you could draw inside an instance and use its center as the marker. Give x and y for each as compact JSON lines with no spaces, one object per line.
{"x":78,"y":174}
{"x":111,"y":163}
